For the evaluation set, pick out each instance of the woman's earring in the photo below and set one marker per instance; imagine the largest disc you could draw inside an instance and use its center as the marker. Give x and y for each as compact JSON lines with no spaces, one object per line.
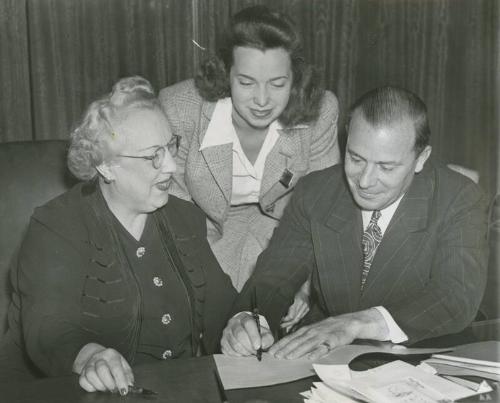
{"x":105,"y":173}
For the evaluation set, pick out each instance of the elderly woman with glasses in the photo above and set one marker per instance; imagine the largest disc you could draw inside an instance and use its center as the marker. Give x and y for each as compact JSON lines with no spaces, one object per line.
{"x":117,"y":272}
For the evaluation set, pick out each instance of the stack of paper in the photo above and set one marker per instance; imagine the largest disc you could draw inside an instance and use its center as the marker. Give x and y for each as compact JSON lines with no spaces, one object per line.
{"x":322,"y":393}
{"x":395,"y":382}
{"x":247,"y":372}
{"x":476,"y":359}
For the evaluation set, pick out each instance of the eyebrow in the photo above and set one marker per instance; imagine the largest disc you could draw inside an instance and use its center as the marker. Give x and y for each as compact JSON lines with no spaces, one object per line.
{"x":377,"y":162}
{"x":271,"y":79}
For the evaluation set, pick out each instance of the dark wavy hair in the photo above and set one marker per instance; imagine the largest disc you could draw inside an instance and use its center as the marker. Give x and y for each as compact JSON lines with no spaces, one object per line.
{"x":386,"y":105}
{"x":260,"y":28}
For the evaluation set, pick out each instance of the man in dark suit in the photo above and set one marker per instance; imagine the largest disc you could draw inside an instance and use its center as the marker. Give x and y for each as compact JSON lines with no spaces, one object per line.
{"x":396,"y":245}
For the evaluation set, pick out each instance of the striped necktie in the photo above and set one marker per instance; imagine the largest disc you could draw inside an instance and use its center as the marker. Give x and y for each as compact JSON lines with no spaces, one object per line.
{"x":370,"y":241}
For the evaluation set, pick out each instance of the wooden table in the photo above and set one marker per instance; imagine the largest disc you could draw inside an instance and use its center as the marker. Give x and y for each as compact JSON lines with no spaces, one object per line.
{"x":176,"y":381}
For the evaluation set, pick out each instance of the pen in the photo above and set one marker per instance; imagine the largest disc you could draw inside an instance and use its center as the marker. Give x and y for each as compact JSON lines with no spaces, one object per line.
{"x":137,"y":390}
{"x":255,"y":314}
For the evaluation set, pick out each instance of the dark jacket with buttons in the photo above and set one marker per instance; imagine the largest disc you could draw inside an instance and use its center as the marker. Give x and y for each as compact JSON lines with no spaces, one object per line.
{"x":73,"y":285}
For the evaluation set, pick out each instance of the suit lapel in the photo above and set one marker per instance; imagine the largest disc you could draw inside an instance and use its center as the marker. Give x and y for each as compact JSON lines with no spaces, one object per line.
{"x":219,"y":159}
{"x":337,"y":241}
{"x":286,"y":154}
{"x":401,"y":239}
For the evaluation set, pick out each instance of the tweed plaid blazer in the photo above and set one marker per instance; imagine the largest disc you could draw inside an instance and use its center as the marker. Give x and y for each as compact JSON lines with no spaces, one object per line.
{"x":429,"y":270}
{"x":206,"y":176}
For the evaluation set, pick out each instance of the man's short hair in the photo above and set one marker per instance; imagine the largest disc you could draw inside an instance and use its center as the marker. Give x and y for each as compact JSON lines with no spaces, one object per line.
{"x":386,"y":105}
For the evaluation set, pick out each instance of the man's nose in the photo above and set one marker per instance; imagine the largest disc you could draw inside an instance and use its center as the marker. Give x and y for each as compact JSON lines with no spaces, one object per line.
{"x":368,"y":177}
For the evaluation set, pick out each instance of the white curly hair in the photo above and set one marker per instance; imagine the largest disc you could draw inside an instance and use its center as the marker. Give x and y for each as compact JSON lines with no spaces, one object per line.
{"x":89,"y":145}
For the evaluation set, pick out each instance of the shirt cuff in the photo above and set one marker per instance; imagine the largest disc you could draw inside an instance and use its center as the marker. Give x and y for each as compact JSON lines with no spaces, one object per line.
{"x":396,"y":335}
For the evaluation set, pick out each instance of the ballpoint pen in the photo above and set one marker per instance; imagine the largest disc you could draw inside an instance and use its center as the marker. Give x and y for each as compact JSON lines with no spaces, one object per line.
{"x":255,"y":315}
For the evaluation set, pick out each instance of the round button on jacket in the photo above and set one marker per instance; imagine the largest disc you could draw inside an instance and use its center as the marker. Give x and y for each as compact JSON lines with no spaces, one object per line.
{"x":157,"y":281}
{"x":166,"y":354}
{"x":166,"y":319}
{"x":140,"y":251}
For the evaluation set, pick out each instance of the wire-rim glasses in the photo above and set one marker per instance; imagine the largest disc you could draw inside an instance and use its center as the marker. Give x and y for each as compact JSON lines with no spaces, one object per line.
{"x":159,"y":154}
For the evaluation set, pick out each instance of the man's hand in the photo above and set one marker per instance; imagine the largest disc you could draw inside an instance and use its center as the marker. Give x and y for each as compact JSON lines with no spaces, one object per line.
{"x":103,"y":369}
{"x":318,"y":339}
{"x":298,"y":309}
{"x":241,"y":336}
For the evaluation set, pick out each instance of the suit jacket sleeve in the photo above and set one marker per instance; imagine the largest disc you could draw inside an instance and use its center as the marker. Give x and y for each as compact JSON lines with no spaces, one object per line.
{"x":49,"y":281}
{"x":284,"y":266}
{"x":324,"y":142}
{"x":450,"y":299}
{"x":490,"y":306}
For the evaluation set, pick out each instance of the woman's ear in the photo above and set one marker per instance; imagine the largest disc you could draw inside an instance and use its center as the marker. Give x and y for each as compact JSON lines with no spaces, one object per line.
{"x":106,"y":172}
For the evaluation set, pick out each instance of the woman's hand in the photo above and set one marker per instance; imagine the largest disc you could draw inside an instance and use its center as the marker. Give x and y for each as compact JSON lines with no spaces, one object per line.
{"x":298,"y":309}
{"x":103,"y":369}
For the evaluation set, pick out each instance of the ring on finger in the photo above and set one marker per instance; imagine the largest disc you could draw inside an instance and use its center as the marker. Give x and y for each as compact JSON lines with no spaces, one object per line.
{"x":327,"y":345}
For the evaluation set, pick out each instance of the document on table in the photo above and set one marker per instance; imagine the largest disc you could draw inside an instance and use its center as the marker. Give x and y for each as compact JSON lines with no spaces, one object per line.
{"x":395,"y":382}
{"x":402,"y":382}
{"x":486,"y":353}
{"x":248,"y":372}
{"x":480,"y":359}
{"x":345,"y":354}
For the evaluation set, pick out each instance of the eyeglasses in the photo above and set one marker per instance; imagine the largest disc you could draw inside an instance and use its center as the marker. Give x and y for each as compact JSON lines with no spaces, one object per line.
{"x":159,"y":155}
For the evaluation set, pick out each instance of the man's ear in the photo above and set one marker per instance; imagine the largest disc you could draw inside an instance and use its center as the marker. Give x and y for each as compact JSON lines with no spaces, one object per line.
{"x":422,"y":158}
{"x":106,"y":172}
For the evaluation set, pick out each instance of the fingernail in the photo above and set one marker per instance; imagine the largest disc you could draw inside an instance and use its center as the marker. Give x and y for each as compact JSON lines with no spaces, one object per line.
{"x":123,"y":391}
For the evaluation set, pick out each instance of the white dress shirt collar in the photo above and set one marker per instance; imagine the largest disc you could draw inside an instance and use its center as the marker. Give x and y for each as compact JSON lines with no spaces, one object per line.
{"x":246,"y":177}
{"x":385,"y":216}
{"x":221,"y":130}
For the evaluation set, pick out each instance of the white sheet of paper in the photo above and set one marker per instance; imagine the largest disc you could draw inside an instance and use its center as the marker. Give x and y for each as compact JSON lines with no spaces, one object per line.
{"x":327,"y":394}
{"x":248,"y":372}
{"x":466,"y":365}
{"x":484,"y":353}
{"x":345,"y":354}
{"x":481,"y":387}
{"x":397,"y":381}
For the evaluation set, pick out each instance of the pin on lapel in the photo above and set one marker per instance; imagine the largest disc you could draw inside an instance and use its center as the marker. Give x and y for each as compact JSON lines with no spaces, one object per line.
{"x":286,"y":178}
